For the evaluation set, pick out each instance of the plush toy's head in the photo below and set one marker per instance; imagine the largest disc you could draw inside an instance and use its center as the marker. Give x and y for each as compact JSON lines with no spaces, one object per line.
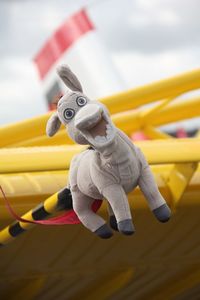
{"x":87,"y":121}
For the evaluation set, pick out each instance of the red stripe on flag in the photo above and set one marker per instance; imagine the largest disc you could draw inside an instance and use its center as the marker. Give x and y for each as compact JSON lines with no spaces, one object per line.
{"x":63,"y":38}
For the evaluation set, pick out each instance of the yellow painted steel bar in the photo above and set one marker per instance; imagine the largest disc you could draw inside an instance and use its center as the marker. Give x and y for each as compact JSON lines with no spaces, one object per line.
{"x":132,"y":121}
{"x":27,"y":189}
{"x":13,"y":160}
{"x":191,"y":193}
{"x":25,"y":130}
{"x":181,"y":174}
{"x":174,"y":112}
{"x":155,"y":246}
{"x":153,"y":133}
{"x":166,"y":256}
{"x":180,"y":284}
{"x":129,"y":122}
{"x":60,"y":138}
{"x":29,"y":291}
{"x":58,"y":157}
{"x":157,"y":107}
{"x":108,"y":286}
{"x":32,"y":128}
{"x":49,"y":205}
{"x":179,"y":178}
{"x":171,"y":150}
{"x":152,"y":92}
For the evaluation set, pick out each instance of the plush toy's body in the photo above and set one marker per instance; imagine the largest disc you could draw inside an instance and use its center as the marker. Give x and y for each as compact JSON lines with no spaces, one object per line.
{"x":113,"y":168}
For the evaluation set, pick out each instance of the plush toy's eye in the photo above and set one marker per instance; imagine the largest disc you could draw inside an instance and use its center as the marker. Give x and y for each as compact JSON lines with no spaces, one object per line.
{"x":81,"y":101}
{"x":69,"y":113}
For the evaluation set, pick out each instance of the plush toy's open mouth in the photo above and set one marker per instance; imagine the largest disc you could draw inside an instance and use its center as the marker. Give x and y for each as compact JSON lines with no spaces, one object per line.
{"x":101,"y":133}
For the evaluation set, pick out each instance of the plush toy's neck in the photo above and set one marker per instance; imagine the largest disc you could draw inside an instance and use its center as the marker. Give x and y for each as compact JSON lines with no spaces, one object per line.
{"x":117,"y":150}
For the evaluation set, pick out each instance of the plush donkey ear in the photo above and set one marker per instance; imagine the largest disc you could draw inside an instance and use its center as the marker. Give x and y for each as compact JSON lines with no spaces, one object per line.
{"x":53,"y":125}
{"x":69,"y":78}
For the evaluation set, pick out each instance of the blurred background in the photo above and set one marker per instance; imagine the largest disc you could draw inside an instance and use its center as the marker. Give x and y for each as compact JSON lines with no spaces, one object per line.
{"x":129,"y":43}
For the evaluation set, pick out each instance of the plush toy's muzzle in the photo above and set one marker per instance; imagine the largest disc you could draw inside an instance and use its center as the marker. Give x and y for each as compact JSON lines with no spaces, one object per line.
{"x":95,"y":125}
{"x":88,"y":116}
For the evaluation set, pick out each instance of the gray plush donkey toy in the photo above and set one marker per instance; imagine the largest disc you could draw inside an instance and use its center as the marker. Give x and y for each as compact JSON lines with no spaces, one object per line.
{"x":113,"y":169}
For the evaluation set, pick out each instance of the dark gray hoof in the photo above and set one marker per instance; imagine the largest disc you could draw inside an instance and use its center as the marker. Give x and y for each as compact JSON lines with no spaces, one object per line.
{"x":104,"y":232}
{"x":162,"y":213}
{"x":113,"y":223}
{"x":126,"y":227}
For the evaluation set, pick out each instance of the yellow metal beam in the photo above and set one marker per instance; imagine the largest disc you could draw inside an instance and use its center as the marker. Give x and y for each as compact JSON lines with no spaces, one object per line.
{"x":129,"y":122}
{"x":156,"y":108}
{"x":25,"y":190}
{"x":198,"y":134}
{"x":107,"y":285}
{"x":5,"y":234}
{"x":34,"y":127}
{"x":159,"y":90}
{"x":177,"y":111}
{"x":65,"y":247}
{"x":179,"y":179}
{"x":29,"y":290}
{"x":171,"y":150}
{"x":153,"y":133}
{"x":132,"y":121}
{"x":177,"y":285}
{"x":181,"y":174}
{"x":191,"y":196}
{"x":15,"y":160}
{"x":50,"y":204}
{"x":60,"y":138}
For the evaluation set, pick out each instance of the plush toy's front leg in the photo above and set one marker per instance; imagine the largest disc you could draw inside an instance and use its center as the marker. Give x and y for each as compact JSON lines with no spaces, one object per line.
{"x":120,"y":206}
{"x":82,"y":207}
{"x":155,"y":200}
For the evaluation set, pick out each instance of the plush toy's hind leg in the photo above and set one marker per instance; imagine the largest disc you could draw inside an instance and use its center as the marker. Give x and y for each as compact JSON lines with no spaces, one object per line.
{"x":113,"y":221}
{"x":82,"y":207}
{"x":120,"y":206}
{"x":155,"y":200}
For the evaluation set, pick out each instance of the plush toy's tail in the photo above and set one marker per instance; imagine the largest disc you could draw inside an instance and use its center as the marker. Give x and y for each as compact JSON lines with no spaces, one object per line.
{"x":68,"y":217}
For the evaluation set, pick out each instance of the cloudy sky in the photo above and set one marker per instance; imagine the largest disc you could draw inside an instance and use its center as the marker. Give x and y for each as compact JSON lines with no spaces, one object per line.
{"x":147,"y":40}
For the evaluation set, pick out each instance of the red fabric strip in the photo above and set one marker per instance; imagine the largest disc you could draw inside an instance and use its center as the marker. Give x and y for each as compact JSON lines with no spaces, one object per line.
{"x":68,"y":217}
{"x":76,"y":26}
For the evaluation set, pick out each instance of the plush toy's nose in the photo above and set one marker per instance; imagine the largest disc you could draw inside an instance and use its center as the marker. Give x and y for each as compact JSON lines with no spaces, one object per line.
{"x":88,"y":116}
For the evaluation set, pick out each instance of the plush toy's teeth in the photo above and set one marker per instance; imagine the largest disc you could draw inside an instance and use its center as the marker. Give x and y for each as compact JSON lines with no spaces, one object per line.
{"x":100,"y":139}
{"x":108,"y":126}
{"x":109,"y":133}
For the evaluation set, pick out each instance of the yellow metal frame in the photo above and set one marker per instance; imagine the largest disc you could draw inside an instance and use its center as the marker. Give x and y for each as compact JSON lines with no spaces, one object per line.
{"x":167,"y":151}
{"x":160,"y":258}
{"x":32,"y":132}
{"x":128,"y":121}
